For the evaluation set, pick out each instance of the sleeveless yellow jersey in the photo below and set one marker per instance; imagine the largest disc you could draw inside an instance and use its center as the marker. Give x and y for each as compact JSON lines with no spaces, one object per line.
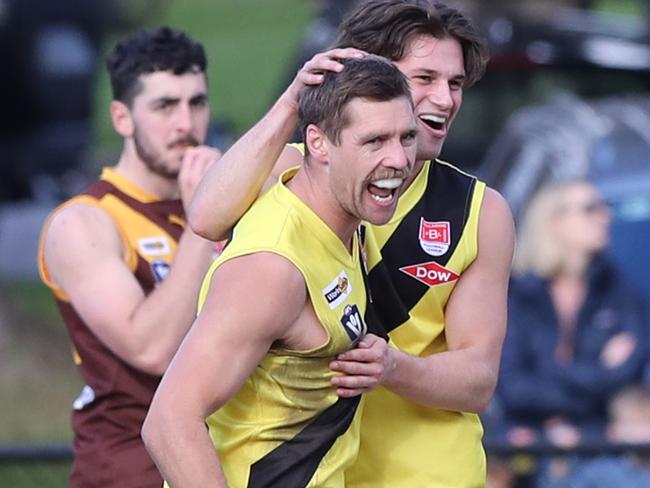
{"x":286,"y":427}
{"x":414,"y":262}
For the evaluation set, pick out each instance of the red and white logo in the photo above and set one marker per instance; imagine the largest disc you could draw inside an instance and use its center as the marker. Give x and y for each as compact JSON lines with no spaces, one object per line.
{"x":435,"y":237}
{"x":431,"y":273}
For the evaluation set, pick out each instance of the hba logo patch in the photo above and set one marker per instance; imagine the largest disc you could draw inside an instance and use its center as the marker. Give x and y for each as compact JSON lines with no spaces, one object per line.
{"x":435,"y":237}
{"x":431,"y":273}
{"x":338,"y":290}
{"x":154,"y":246}
{"x":353,"y":323}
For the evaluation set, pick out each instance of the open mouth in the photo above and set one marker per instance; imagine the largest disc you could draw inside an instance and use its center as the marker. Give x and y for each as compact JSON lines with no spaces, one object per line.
{"x":436,"y":122}
{"x":383,"y":191}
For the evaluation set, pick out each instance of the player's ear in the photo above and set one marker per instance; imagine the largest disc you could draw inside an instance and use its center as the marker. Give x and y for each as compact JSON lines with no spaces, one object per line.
{"x":316,"y":142}
{"x":122,"y":119}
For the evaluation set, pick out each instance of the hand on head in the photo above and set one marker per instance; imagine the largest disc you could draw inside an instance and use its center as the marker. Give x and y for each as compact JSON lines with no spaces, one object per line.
{"x":312,"y":71}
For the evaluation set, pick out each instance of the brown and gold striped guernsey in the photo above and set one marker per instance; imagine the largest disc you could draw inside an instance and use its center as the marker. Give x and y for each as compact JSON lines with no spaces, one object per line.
{"x":108,"y":414}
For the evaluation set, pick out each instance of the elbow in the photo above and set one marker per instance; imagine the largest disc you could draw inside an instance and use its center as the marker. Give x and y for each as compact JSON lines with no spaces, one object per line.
{"x":203,"y":225}
{"x":479,"y":403}
{"x":152,"y":362}
{"x":148,"y":432}
{"x":482,"y":394}
{"x":153,"y":431}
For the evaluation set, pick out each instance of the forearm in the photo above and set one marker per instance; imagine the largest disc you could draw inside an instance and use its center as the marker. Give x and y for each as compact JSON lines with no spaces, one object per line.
{"x":451,"y":380}
{"x":183,"y":452}
{"x":232,"y":184}
{"x":163,"y":318}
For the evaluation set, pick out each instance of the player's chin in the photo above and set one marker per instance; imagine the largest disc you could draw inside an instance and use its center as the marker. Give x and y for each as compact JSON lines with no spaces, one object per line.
{"x":379,"y":217}
{"x":378,"y":210}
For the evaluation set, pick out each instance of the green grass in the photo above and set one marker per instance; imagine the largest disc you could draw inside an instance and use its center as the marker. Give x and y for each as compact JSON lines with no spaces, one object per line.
{"x":37,"y":377}
{"x":250,"y":45}
{"x":29,"y":475}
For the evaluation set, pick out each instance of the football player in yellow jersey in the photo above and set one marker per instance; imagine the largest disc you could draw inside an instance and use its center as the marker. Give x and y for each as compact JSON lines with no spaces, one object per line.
{"x":288,"y":295}
{"x":448,"y":319}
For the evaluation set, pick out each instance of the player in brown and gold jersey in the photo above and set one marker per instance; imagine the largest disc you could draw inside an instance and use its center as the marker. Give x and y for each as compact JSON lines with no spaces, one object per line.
{"x":123,"y":266}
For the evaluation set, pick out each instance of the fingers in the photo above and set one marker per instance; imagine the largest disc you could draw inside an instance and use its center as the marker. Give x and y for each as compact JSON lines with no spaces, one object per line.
{"x":363,"y":368}
{"x":312,"y":71}
{"x":356,"y":368}
{"x":349,"y":386}
{"x":194,"y":165}
{"x":370,"y":348}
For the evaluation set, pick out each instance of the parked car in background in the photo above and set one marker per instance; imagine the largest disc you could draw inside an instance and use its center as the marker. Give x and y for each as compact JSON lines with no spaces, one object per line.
{"x":564,"y":96}
{"x":606,"y":141}
{"x":536,"y":58}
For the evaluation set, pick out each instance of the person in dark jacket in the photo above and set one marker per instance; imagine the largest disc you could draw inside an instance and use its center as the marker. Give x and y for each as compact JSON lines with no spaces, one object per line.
{"x":576,"y":332}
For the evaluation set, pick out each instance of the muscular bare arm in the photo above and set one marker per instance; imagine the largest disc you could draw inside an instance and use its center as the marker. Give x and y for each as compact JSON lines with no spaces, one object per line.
{"x":464,"y":377}
{"x":232,"y":184}
{"x":253,"y":301}
{"x":84,"y":256}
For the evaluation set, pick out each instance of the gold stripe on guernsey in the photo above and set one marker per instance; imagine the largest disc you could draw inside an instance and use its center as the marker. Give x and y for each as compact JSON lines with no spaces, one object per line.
{"x":175,"y":219}
{"x":75,"y":356}
{"x":131,"y":225}
{"x":125,"y":186}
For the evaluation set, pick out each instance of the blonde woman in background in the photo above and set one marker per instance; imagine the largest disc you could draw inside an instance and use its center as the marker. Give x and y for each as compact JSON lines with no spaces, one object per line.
{"x":576,"y":329}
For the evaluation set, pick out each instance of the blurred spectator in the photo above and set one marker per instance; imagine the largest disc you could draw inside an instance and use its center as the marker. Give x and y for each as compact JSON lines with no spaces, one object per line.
{"x":576,"y":331}
{"x":629,"y":423}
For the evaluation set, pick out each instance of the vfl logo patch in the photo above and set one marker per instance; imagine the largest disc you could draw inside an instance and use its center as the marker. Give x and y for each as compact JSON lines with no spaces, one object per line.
{"x":353,"y":324}
{"x":338,"y":290}
{"x":160,"y":270}
{"x":435,"y":237}
{"x":431,"y":273}
{"x":154,"y":246}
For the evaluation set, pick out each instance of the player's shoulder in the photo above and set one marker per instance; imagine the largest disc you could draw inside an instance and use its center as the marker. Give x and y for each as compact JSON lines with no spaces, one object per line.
{"x":442,"y":165}
{"x":495,"y":206}
{"x":79,"y":223}
{"x":496,"y":225}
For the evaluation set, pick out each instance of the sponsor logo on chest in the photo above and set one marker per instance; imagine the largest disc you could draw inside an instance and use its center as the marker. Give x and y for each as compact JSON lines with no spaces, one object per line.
{"x":154,"y":246}
{"x":431,"y":273}
{"x":338,"y":290}
{"x":435,"y":237}
{"x":353,"y":323}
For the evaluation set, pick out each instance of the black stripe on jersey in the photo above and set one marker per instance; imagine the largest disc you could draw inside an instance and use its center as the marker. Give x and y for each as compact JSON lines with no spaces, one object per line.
{"x":373,"y":323}
{"x":294,"y":462}
{"x":447,"y":197}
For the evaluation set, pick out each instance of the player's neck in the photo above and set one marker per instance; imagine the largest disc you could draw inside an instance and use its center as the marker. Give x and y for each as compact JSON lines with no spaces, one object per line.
{"x":316,"y":195}
{"x":137,"y":172}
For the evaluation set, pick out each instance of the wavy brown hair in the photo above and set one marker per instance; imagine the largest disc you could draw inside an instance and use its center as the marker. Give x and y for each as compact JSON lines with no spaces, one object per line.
{"x":384,"y":27}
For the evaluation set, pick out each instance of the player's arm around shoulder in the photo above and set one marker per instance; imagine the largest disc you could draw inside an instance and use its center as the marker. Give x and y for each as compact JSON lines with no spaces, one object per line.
{"x":463,"y":377}
{"x":253,"y":301}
